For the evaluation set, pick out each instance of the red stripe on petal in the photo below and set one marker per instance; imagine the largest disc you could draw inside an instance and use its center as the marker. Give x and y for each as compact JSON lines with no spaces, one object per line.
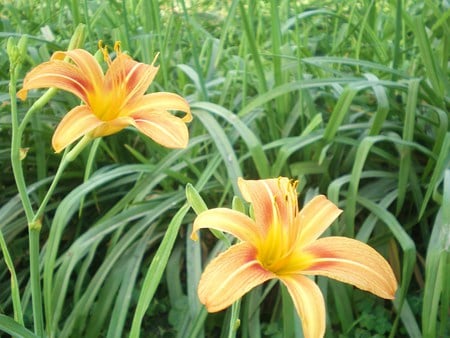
{"x":57,"y":74}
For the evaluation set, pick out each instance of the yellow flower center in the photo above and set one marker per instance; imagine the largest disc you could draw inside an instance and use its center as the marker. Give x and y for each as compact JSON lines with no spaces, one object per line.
{"x":107,"y":101}
{"x":279,"y":251}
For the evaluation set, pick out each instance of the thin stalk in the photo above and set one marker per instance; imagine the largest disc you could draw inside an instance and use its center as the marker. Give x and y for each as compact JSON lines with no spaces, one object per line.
{"x":19,"y":178}
{"x":33,"y":219}
{"x":36,"y":293}
{"x":68,"y":157}
{"x":16,"y":161}
{"x":234,"y":319}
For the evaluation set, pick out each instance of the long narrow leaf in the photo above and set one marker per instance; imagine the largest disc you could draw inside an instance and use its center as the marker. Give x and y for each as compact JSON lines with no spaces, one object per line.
{"x":154,"y":273}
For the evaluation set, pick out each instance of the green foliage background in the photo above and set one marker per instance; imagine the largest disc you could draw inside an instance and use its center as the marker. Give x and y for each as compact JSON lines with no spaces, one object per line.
{"x":349,"y":97}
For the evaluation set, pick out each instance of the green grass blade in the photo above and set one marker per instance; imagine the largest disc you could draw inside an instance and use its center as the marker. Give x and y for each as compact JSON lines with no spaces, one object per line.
{"x":10,"y":326}
{"x":254,"y":50}
{"x":408,"y":134}
{"x":409,"y":252}
{"x":225,"y":29}
{"x":339,"y":112}
{"x":382,"y":106}
{"x":154,"y":273}
{"x":291,"y":321}
{"x":251,"y":140}
{"x":442,"y":126}
{"x":223,"y":146}
{"x":442,"y":164}
{"x":437,"y":259}
{"x":433,"y":71}
{"x":193,"y":272}
{"x":128,"y":284}
{"x":15,"y":294}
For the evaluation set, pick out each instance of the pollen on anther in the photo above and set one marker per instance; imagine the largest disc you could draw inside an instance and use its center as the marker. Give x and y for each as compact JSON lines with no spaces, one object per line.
{"x":117,"y":47}
{"x":104,"y":50}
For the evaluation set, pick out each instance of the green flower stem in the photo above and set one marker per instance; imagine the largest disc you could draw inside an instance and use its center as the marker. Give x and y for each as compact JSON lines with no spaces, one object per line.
{"x":22,"y":189}
{"x":235,"y":322}
{"x":36,"y":293}
{"x":16,"y":143}
{"x":37,"y":105}
{"x":68,"y":157}
{"x":33,"y":219}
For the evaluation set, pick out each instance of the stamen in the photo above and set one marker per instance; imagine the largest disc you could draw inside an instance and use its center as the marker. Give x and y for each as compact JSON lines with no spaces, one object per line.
{"x":154,"y":59}
{"x":117,"y":47}
{"x":104,"y":50}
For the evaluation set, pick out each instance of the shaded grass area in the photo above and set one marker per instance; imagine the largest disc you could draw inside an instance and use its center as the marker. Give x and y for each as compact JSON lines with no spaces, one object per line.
{"x":351,"y":98}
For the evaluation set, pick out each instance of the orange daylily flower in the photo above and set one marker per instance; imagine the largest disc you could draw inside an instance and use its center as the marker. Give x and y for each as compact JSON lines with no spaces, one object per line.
{"x":111,"y":101}
{"x":282,"y":242}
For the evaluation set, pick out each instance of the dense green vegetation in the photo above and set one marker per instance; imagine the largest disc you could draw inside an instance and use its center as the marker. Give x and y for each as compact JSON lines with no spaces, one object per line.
{"x":349,"y":97}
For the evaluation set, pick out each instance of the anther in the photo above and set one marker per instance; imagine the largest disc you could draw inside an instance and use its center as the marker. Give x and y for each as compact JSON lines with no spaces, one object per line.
{"x":104,"y":50}
{"x":117,"y":47}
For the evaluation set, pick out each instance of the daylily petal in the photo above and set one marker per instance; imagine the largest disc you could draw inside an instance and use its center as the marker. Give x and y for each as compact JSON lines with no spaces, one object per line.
{"x":76,"y":123}
{"x":309,"y":303}
{"x":262,"y":195}
{"x":112,"y":127}
{"x":164,"y":128}
{"x":229,"y":276}
{"x":112,"y":101}
{"x":57,"y":74}
{"x":315,"y":217}
{"x":139,"y":76}
{"x":135,"y":77}
{"x":353,"y":262}
{"x":86,"y":63}
{"x":161,"y":101}
{"x":228,"y":220}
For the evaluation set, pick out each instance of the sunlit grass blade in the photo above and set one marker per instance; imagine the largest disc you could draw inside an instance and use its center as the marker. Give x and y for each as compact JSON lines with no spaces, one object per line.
{"x":253,"y":143}
{"x":154,"y":273}
{"x":223,"y":146}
